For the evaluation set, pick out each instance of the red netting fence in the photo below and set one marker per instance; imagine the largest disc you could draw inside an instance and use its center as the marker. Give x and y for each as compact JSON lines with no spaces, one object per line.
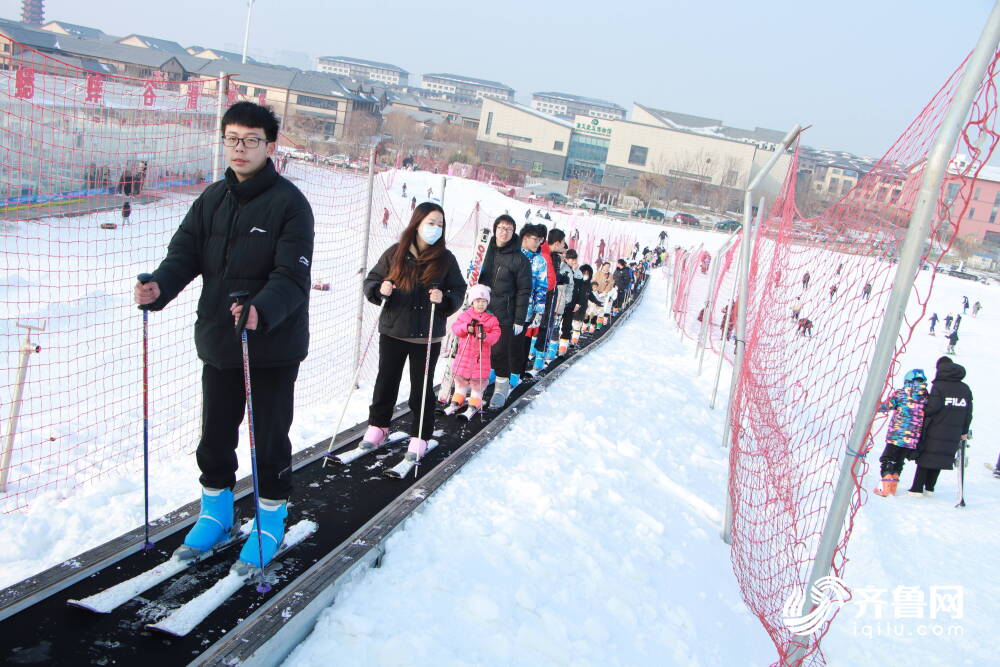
{"x":818,"y":290}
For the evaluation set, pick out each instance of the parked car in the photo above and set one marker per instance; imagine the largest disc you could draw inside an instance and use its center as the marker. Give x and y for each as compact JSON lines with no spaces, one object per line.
{"x":299,"y":154}
{"x":686,"y":219}
{"x":556,"y":198}
{"x":337,"y":160}
{"x":587,"y":202}
{"x":649,"y":213}
{"x":728,"y":225}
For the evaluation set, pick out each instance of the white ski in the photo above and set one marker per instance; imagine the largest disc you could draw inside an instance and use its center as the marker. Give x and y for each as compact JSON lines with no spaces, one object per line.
{"x":403,"y":468}
{"x":110,"y":599}
{"x":354,"y":454}
{"x":186,"y":618}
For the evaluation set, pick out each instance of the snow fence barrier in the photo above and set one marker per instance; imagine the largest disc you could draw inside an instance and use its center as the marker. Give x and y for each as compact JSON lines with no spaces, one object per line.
{"x":818,"y":290}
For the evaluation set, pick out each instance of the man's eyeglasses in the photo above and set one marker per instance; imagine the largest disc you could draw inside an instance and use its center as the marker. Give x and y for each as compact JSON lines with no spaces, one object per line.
{"x":505,"y":228}
{"x":248,"y":142}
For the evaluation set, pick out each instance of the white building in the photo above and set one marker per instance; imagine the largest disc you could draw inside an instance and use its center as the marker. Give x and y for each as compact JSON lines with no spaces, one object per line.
{"x":356,"y":68}
{"x":569,"y":106}
{"x":467,"y":87}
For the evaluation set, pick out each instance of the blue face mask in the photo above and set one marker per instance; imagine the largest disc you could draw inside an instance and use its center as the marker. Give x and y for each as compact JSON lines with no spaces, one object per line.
{"x":430,"y":233}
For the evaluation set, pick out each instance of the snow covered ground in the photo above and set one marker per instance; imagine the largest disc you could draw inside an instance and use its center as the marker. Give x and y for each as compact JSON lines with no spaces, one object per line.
{"x":586,"y":534}
{"x":589,"y":536}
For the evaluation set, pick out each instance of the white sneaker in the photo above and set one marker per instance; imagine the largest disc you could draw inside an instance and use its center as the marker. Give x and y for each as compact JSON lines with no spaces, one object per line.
{"x":928,"y":494}
{"x":915,"y":494}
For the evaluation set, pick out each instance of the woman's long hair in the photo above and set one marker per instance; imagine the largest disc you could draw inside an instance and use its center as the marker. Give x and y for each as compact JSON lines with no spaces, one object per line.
{"x":430,"y":264}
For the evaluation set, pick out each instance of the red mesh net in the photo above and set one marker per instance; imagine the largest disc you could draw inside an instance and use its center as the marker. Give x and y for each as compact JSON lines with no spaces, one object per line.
{"x":818,"y":291}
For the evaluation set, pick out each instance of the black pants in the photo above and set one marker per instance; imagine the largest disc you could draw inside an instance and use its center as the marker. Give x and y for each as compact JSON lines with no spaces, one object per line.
{"x":392,"y":354}
{"x":617,"y":303}
{"x":522,"y":347}
{"x":925,"y":479}
{"x":892,"y":459}
{"x":502,"y":353}
{"x":543,"y":329}
{"x":567,"y":323}
{"x":223,"y":408}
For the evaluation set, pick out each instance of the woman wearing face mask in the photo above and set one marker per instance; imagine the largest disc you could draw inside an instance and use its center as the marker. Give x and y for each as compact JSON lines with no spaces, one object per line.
{"x":411,"y":274}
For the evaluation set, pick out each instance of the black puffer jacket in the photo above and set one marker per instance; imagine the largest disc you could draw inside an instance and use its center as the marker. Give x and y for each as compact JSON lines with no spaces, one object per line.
{"x":407,"y":314}
{"x":947,"y":417}
{"x":507,"y":272}
{"x":257,"y":236}
{"x":622,"y":278}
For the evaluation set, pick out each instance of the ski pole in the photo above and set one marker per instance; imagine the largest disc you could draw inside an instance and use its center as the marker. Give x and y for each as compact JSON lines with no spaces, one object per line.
{"x":354,"y":382}
{"x":961,"y":475}
{"x":423,"y":393}
{"x":239,"y":298}
{"x":145,"y":278}
{"x":479,"y":328}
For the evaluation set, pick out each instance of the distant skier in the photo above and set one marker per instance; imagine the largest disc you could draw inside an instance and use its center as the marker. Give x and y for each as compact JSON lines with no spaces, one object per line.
{"x":976,"y":307}
{"x":947,"y":322}
{"x":934,"y":321}
{"x":413,"y":203}
{"x":866,"y":292}
{"x":833,"y":293}
{"x":965,"y":305}
{"x":958,"y":320}
{"x":907,"y":406}
{"x":430,"y":192}
{"x":952,"y":341}
{"x":840,"y":267}
{"x":805,"y":327}
{"x":385,"y":218}
{"x":527,"y":215}
{"x":796,"y":309}
{"x":805,"y":280}
{"x":404,"y":190}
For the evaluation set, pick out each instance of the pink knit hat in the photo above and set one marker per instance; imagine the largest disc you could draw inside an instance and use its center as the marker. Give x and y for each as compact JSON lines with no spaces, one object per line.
{"x":478,"y":292}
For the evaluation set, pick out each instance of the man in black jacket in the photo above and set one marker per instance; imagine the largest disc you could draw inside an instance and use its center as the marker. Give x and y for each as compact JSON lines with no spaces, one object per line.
{"x":576,"y":302}
{"x":622,"y":280}
{"x":947,"y":417}
{"x":507,"y":272}
{"x":251,"y":231}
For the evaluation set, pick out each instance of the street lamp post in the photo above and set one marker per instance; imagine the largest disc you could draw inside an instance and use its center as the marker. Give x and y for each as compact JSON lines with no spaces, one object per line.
{"x":246,"y":33}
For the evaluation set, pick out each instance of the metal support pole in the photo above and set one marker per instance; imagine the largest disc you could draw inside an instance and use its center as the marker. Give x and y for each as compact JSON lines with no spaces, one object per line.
{"x":364,"y":254}
{"x":727,"y":521}
{"x":246,"y":32}
{"x":223,"y":84}
{"x":710,"y":300}
{"x":15,"y":407}
{"x":910,"y":258}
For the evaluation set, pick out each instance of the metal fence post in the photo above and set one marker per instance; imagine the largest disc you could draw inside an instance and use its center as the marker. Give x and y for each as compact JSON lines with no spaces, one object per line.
{"x":364,"y":254}
{"x":221,"y":87}
{"x":15,"y":407}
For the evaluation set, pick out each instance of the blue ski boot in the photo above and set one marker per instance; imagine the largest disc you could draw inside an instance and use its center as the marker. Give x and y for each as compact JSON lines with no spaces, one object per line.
{"x":493,"y":377}
{"x":214,"y":525}
{"x":515,"y":379}
{"x":272,"y":520}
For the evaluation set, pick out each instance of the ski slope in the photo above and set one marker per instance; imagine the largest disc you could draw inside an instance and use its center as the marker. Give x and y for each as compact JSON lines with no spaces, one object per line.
{"x":588,"y":533}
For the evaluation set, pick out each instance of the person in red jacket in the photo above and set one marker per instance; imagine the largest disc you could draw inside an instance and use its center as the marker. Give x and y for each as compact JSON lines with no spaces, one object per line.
{"x":477,"y":332}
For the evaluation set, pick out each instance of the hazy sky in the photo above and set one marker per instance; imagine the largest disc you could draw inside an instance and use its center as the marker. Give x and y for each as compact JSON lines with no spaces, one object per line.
{"x":857,"y":70}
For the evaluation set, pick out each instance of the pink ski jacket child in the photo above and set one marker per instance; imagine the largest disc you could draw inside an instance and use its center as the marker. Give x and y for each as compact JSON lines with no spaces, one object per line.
{"x":467,"y":361}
